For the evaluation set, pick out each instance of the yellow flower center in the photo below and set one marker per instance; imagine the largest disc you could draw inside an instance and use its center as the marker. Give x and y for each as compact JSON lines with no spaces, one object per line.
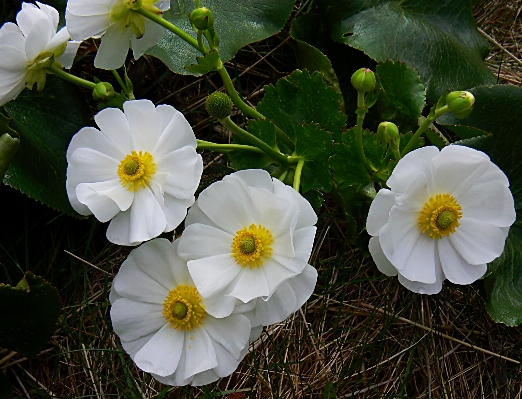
{"x":440,"y":216}
{"x":252,"y":245}
{"x":124,"y":12}
{"x":136,"y":170}
{"x":183,"y":309}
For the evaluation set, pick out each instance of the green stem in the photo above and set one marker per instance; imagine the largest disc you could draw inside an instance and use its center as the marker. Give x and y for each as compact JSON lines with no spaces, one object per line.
{"x":361,"y":113}
{"x":207,"y":145}
{"x":200,"y":42}
{"x":235,"y":129}
{"x":118,"y":79}
{"x":71,"y":78}
{"x":434,"y":114}
{"x":210,"y":40}
{"x":282,"y":176}
{"x":297,"y":175}
{"x":167,"y":25}
{"x":395,"y":149}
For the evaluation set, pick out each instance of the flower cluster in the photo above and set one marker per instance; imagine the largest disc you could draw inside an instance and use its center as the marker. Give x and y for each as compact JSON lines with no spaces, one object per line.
{"x":446,"y":215}
{"x":30,"y":46}
{"x":186,"y":311}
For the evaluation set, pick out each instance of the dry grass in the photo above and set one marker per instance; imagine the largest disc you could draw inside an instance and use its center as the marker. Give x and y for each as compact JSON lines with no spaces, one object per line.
{"x":360,"y":334}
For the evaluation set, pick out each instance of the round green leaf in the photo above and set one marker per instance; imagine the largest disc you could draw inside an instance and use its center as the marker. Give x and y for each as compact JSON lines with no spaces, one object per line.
{"x":237,"y":23}
{"x":46,"y":122}
{"x":438,"y":38}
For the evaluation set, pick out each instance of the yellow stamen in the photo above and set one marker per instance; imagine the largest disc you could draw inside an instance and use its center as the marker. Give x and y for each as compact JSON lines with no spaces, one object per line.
{"x":136,"y":170}
{"x":183,"y":309}
{"x":440,"y":216}
{"x":252,"y":245}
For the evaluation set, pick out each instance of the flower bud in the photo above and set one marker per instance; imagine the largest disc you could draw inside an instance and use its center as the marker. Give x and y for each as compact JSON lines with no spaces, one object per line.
{"x":219,"y":105}
{"x":460,"y":103}
{"x":363,"y":80}
{"x":387,"y":132}
{"x":202,"y":18}
{"x":103,"y":92}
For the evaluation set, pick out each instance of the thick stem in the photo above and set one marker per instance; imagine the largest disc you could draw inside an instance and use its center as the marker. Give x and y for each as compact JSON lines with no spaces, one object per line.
{"x":434,"y":114}
{"x":225,"y":148}
{"x":235,"y":129}
{"x":200,"y":42}
{"x":247,"y":109}
{"x":297,"y":175}
{"x":166,"y":24}
{"x":71,"y":78}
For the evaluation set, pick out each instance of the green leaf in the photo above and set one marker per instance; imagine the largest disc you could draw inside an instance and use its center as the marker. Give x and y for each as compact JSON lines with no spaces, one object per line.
{"x":348,"y":169}
{"x":46,"y":122}
{"x":304,"y":31}
{"x":497,"y":113}
{"x":434,"y":135}
{"x":237,"y":23}
{"x":8,"y":148}
{"x":403,"y":95}
{"x":262,"y":129}
{"x":439,"y":39}
{"x":210,"y":62}
{"x":301,"y":98}
{"x":315,"y":146}
{"x":315,"y":198}
{"x":28,"y":314}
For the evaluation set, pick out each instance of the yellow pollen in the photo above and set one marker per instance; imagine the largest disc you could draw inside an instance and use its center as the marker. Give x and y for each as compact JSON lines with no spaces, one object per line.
{"x":252,"y":245}
{"x":440,"y":216}
{"x":136,"y":170}
{"x":183,"y":309}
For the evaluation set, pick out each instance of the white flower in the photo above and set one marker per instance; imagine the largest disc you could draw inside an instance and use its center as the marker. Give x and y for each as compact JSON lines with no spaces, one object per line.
{"x":119,"y":25}
{"x":140,"y":169}
{"x":163,"y":323}
{"x":245,"y":236}
{"x":446,"y":215}
{"x":29,"y":47}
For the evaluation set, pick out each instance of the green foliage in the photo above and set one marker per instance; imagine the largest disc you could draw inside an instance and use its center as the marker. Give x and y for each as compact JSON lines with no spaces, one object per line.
{"x":403,"y":95}
{"x":28,"y":314}
{"x":8,"y":147}
{"x":438,"y":39}
{"x":311,"y":57}
{"x":46,"y":122}
{"x":262,"y":129}
{"x":237,"y":23}
{"x":497,"y":112}
{"x":208,"y":62}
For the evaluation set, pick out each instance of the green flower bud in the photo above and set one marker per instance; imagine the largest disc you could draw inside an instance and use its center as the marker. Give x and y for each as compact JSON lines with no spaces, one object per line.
{"x":460,"y":103}
{"x":219,"y":105}
{"x":202,"y":18}
{"x":363,"y":80}
{"x":103,"y":92}
{"x":387,"y":132}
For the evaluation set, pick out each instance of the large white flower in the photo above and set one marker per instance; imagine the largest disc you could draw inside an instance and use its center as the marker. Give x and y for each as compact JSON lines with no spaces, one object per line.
{"x":140,"y":169}
{"x":245,"y":236}
{"x":119,"y":25}
{"x":163,"y":322}
{"x":446,"y":215}
{"x":29,"y":47}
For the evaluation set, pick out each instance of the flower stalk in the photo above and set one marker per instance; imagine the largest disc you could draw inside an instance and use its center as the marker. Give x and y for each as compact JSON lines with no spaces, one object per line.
{"x":225,"y":148}
{"x":69,"y":77}
{"x":297,"y":175}
{"x":361,"y":113}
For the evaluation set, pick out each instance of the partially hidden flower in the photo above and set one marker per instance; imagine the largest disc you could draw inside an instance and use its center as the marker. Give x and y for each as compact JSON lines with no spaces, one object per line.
{"x":446,"y":215}
{"x":119,"y":25}
{"x":140,"y":169}
{"x":29,"y":46}
{"x":244,"y":237}
{"x":163,"y":322}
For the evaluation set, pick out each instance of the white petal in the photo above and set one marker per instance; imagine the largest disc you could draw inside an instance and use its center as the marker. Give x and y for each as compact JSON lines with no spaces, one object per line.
{"x":13,"y":93}
{"x":132,"y":347}
{"x":144,"y":124}
{"x":221,"y":305}
{"x":61,"y":37}
{"x":82,"y":27}
{"x":252,"y":283}
{"x":422,"y":288}
{"x":204,"y":378}
{"x":152,"y":36}
{"x":38,"y":39}
{"x":455,"y":268}
{"x":175,"y":210}
{"x":92,"y":138}
{"x":478,"y":242}
{"x":89,"y":7}
{"x":490,"y":203}
{"x":213,"y":274}
{"x":231,"y":332}
{"x":184,"y":168}
{"x":196,"y":215}
{"x":255,"y":333}
{"x":307,"y":216}
{"x":276,"y":309}
{"x":226,"y":364}
{"x":381,"y":261}
{"x":176,"y":134}
{"x":132,"y":283}
{"x":200,"y":241}
{"x":161,"y":354}
{"x":155,"y":258}
{"x":67,"y":58}
{"x":251,"y":178}
{"x":113,"y":123}
{"x":103,"y":199}
{"x":147,"y":219}
{"x":410,"y":166}
{"x":379,"y":212}
{"x":113,"y":48}
{"x":132,"y":320}
{"x":199,"y":352}
{"x":119,"y":228}
{"x":13,"y":59}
